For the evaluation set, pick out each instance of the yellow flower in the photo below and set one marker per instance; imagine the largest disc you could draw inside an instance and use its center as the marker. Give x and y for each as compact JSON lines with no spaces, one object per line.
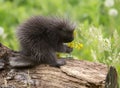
{"x":71,"y":44}
{"x":76,"y":45}
{"x":80,"y":46}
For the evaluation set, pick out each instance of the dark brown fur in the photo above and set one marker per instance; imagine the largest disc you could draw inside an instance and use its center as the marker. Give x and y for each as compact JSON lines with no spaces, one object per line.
{"x":40,"y":38}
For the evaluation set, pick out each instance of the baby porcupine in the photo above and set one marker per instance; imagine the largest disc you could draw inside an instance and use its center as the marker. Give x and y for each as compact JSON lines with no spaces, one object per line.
{"x":40,"y":38}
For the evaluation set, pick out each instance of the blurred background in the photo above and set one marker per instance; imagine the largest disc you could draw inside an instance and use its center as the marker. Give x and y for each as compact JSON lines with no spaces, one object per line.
{"x":98,"y":25}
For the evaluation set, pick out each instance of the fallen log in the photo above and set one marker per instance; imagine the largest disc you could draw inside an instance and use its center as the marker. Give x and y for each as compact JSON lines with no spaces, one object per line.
{"x":75,"y":74}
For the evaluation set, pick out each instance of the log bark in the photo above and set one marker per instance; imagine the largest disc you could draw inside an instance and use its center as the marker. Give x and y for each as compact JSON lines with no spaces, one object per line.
{"x":75,"y":74}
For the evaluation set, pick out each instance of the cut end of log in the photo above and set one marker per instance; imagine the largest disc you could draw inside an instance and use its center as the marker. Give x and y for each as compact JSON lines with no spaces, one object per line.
{"x":111,"y":78}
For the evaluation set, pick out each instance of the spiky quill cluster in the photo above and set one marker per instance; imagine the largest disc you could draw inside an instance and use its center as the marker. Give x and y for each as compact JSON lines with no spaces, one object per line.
{"x":41,"y":37}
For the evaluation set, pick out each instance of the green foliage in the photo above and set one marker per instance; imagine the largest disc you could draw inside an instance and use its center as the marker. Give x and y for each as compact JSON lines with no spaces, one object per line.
{"x":98,"y":29}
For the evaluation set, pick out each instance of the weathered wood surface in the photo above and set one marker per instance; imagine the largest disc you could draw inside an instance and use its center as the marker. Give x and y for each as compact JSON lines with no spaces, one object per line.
{"x":75,"y":74}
